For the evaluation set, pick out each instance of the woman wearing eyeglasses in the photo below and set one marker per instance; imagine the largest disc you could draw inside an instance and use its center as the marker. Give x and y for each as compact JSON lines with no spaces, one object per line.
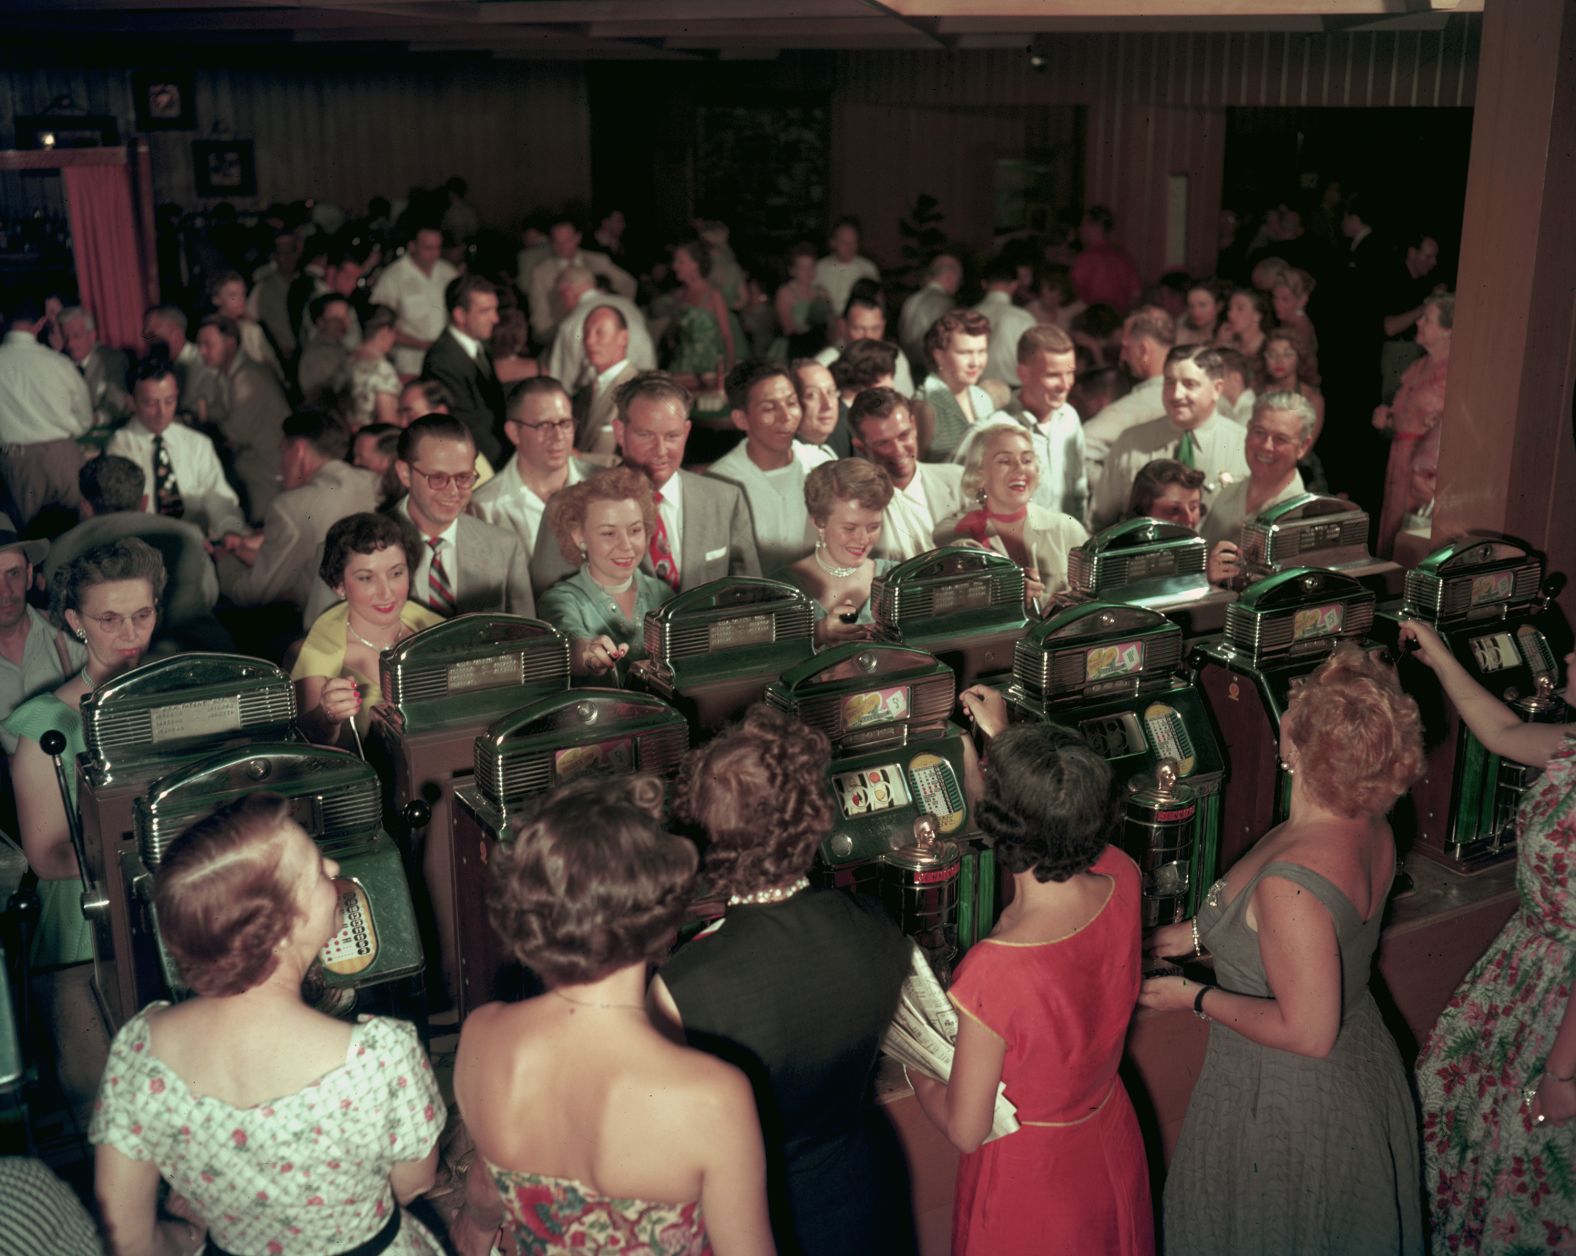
{"x":109,"y":599}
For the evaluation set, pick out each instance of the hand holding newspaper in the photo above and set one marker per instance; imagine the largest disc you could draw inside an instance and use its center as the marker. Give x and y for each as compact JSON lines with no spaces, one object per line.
{"x":924,"y":1034}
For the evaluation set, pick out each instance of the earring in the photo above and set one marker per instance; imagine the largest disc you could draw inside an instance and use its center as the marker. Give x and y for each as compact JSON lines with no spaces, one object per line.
{"x":820,"y":540}
{"x":582,"y":551}
{"x":980,"y":497}
{"x":81,"y":636}
{"x":1289,"y":769}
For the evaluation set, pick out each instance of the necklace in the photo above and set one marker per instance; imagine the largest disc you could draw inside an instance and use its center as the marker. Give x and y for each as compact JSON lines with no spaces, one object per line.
{"x":373,"y":645}
{"x":777,"y":894}
{"x":88,"y":680}
{"x":625,"y":587}
{"x":832,"y":569}
{"x":635,"y":1007}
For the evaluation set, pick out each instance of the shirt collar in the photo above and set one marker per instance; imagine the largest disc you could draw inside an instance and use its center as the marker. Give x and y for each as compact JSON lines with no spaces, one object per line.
{"x":449,"y":534}
{"x":612,"y":373}
{"x":470,"y":344}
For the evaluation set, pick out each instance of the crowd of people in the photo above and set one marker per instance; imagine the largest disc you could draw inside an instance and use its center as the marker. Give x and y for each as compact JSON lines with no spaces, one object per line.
{"x":369,"y":435}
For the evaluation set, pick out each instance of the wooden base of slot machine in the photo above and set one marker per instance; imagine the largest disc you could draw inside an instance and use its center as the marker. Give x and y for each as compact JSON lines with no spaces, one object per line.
{"x":126,"y":970}
{"x":1257,"y":792}
{"x":484,"y":974}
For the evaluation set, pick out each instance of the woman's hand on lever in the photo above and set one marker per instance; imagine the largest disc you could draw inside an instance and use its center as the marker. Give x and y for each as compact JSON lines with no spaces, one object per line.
{"x":341,"y":699}
{"x":985,"y":708}
{"x":596,"y":656}
{"x":834,"y":630}
{"x":1170,"y":941}
{"x":1428,"y":646}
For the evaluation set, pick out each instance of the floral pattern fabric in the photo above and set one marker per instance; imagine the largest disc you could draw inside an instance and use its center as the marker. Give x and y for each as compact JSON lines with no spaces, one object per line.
{"x":1495,"y":1181}
{"x":550,"y":1214}
{"x":306,"y":1173}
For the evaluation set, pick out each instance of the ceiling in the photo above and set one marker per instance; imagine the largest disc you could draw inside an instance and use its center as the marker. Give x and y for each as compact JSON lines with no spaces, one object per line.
{"x":680,"y":29}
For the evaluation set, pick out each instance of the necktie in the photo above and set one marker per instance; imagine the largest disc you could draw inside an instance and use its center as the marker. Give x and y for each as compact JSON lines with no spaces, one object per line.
{"x":440,"y":593}
{"x":661,"y":551}
{"x":1187,"y":451}
{"x":166,"y":490}
{"x":484,"y":364}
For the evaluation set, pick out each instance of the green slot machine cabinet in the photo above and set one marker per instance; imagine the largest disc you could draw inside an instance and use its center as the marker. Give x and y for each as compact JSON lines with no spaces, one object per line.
{"x":1485,"y":598}
{"x":1314,"y":531}
{"x":896,"y":757}
{"x":1277,"y":633}
{"x":961,"y":604}
{"x":338,"y":800}
{"x":139,"y":726}
{"x":1116,"y":673}
{"x":520,"y":757}
{"x":1147,"y":562}
{"x":442,"y":688}
{"x":712,"y":650}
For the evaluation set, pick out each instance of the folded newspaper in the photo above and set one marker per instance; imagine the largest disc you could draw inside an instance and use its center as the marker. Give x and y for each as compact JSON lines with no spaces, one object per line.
{"x":924,"y":1034}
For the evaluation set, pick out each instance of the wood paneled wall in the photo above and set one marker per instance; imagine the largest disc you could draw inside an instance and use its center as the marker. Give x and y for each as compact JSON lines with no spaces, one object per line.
{"x":520,"y":133}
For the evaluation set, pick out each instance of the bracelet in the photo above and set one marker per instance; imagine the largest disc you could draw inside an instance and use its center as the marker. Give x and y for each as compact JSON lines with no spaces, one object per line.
{"x":1198,"y":1002}
{"x":1198,"y":946}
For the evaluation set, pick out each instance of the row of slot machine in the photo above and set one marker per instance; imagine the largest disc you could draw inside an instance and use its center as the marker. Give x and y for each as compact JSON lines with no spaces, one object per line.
{"x":1179,"y":684}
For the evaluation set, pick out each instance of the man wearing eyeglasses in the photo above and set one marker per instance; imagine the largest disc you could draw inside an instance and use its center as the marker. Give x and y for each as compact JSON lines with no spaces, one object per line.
{"x":466,"y":565}
{"x":538,"y":422}
{"x":1280,"y":433}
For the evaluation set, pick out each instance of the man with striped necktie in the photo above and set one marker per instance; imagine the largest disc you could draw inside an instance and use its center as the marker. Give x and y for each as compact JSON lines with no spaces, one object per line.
{"x":466,"y":565}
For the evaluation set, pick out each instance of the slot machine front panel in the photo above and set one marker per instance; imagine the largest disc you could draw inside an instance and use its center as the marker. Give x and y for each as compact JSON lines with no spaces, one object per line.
{"x":1311,"y":530}
{"x":1148,"y":563}
{"x":963,"y":605}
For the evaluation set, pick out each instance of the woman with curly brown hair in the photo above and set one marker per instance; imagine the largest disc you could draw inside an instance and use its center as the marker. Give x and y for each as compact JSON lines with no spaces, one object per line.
{"x":795,"y":987}
{"x":1301,"y":1134}
{"x":953,"y":400}
{"x":1056,"y":980}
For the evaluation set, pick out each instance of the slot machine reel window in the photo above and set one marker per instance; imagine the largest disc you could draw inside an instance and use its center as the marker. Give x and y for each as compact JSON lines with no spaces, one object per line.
{"x":746,"y":630}
{"x":1494,"y":652}
{"x":869,"y":790}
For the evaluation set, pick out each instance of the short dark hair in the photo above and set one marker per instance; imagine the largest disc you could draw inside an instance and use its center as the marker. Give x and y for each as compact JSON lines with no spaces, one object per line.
{"x":435,"y":392}
{"x":1000,"y":269}
{"x":1154,"y":478}
{"x":1050,"y":804}
{"x":1205,"y":357}
{"x":590,"y":882}
{"x":223,"y":905}
{"x":365,"y":533}
{"x":743,"y":378}
{"x":326,"y":433}
{"x":875,"y":403}
{"x":528,"y":388}
{"x":863,"y":300}
{"x":609,"y":309}
{"x":109,"y":483}
{"x":652,"y":386}
{"x":437,"y":426}
{"x":126,"y":559}
{"x":457,"y":296}
{"x":318,"y":305}
{"x":1044,"y":338}
{"x":1100,"y":216}
{"x":1153,"y":323}
{"x":152,"y":366}
{"x":379,"y":318}
{"x":224,"y":325}
{"x":863,"y":362}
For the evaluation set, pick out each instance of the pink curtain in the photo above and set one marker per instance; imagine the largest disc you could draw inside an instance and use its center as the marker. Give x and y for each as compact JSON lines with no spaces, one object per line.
{"x":109,"y":255}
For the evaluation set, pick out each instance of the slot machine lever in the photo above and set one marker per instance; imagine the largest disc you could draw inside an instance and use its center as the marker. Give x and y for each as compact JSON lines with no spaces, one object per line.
{"x":94,"y":901}
{"x":415,"y":814}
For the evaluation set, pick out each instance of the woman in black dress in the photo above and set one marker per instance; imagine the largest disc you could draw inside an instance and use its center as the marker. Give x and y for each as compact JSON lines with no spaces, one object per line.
{"x":795,"y":987}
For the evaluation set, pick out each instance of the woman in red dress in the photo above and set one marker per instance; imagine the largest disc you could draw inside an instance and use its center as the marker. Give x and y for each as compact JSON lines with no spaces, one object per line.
{"x":1045,"y":1003}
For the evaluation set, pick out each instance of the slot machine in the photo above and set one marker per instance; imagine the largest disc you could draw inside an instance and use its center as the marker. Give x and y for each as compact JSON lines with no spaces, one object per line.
{"x":712,"y":650}
{"x":1314,"y":531}
{"x":521,"y":756}
{"x":1116,"y":674}
{"x":1277,"y":633}
{"x":1150,"y":563}
{"x":441,"y":689}
{"x":896,"y":759}
{"x":338,"y":800}
{"x":961,"y":604}
{"x":138,"y":727}
{"x":1484,"y":597}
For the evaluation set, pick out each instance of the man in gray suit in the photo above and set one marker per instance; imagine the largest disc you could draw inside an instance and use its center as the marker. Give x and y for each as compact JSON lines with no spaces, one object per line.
{"x":249,"y":410}
{"x":704,"y":523}
{"x":104,"y":370}
{"x":320,"y":488}
{"x":927,"y":493}
{"x":596,"y":405}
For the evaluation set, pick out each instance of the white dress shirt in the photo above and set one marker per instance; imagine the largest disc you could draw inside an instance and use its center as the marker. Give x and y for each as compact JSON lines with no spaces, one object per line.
{"x":839,"y":277}
{"x":1063,"y":477}
{"x":515,"y":504}
{"x":776,"y":501}
{"x":210,"y":502}
{"x":671,"y":508}
{"x":1007,"y":325}
{"x":908,"y":525}
{"x":1228,"y":511}
{"x":418,"y":300}
{"x":43,"y":397}
{"x":1218,"y":453}
{"x":544,"y":317}
{"x":566,"y":360}
{"x":1141,"y":405}
{"x":419,"y":591}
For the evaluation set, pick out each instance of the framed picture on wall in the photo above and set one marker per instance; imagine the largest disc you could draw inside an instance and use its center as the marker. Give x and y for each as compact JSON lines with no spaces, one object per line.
{"x":164,"y":100}
{"x":224,"y":168}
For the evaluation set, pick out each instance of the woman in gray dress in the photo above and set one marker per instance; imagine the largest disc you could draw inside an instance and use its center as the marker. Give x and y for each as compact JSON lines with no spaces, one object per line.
{"x":1301,"y":1134}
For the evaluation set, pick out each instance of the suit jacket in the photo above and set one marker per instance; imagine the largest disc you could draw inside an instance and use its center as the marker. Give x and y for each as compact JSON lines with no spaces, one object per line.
{"x":478,"y":396}
{"x":293,"y":532}
{"x":104,"y":371}
{"x":594,"y":412}
{"x":718,"y":541}
{"x":255,"y":408}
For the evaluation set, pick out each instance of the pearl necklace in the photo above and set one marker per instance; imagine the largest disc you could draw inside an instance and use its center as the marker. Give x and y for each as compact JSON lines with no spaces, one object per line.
{"x":373,"y":645}
{"x":88,"y":680}
{"x":568,"y":998}
{"x":777,"y":894}
{"x":614,"y":589}
{"x":831,"y":569}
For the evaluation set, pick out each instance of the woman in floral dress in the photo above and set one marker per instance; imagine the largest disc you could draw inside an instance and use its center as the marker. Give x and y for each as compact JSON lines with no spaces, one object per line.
{"x":1498,"y":1073}
{"x":285,"y":1130}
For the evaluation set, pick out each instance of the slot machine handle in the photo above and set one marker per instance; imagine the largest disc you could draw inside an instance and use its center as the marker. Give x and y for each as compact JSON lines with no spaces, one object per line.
{"x":94,"y":902}
{"x":415,"y":814}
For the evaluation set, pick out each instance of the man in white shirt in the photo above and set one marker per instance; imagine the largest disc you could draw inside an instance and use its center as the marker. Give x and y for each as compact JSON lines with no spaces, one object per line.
{"x":1007,"y":321}
{"x":1279,"y":434}
{"x":185,"y":480}
{"x":564,"y":237}
{"x":1047,"y":368}
{"x":1147,"y":336}
{"x":819,"y":409}
{"x":578,"y":295}
{"x":413,"y":287}
{"x":765,"y":408}
{"x":595,"y":405}
{"x":44,"y":407}
{"x":538,"y":423}
{"x":926,"y":493}
{"x":864,"y":319}
{"x":842,"y":268}
{"x":924,"y":307}
{"x":1191,"y":430}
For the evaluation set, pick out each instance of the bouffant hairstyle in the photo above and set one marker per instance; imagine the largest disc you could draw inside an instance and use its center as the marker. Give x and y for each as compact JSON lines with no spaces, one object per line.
{"x":1050,"y":804}
{"x":1359,"y":739}
{"x":1445,"y":303}
{"x":1154,"y":478}
{"x":863,"y":364}
{"x":1307,"y":355}
{"x":590,"y":883}
{"x":222,"y":902}
{"x":126,"y":559}
{"x":843,"y":480}
{"x":977,"y":446}
{"x":759,"y":792}
{"x":1260,"y":301}
{"x":956,"y":323}
{"x":566,"y":510}
{"x":365,"y":533}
